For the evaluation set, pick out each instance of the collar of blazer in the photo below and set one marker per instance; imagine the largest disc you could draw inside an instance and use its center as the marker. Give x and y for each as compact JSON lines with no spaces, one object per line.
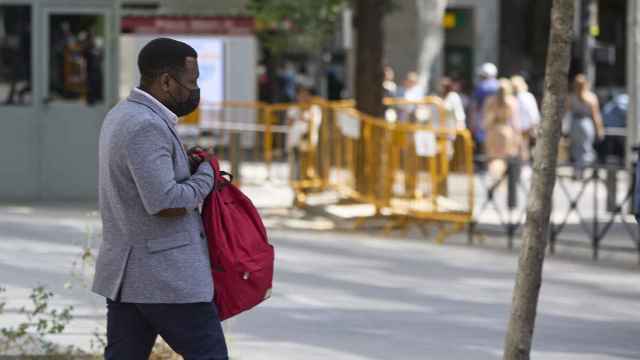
{"x":142,"y":98}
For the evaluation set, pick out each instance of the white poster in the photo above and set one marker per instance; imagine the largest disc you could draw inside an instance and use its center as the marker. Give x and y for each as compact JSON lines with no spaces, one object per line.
{"x":210,"y":61}
{"x":211,"y":64}
{"x":425,"y":143}
{"x":349,"y":124}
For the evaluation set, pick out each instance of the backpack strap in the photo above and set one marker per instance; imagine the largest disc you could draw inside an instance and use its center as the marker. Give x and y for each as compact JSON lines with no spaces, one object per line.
{"x":215,"y":164}
{"x":219,"y":176}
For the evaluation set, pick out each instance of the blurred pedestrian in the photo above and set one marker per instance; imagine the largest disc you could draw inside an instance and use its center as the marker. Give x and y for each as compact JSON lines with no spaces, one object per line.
{"x":63,"y":40}
{"x":412,"y":92}
{"x":411,"y":88}
{"x":456,"y":117}
{"x":335,"y":80}
{"x":486,"y":87}
{"x":265,"y":84}
{"x":390,"y":91}
{"x":585,"y":124}
{"x":389,"y":84}
{"x":20,"y":64}
{"x":528,"y":114}
{"x":286,"y":77}
{"x":614,"y":117}
{"x":304,"y":77}
{"x":614,"y":112}
{"x":503,"y":133}
{"x":92,"y":52}
{"x":303,"y":121}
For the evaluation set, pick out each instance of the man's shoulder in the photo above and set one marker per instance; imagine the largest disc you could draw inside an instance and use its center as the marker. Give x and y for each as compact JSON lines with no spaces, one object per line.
{"x":128,"y":108}
{"x":129,"y":120}
{"x":130,"y":116}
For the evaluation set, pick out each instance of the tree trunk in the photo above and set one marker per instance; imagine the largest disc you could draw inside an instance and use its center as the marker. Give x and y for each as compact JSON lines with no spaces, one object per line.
{"x":369,"y":52}
{"x":430,"y":36}
{"x":369,"y":76}
{"x":534,"y":238}
{"x":633,"y":78}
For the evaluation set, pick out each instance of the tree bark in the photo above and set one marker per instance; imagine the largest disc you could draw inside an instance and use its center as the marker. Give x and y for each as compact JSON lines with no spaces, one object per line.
{"x":369,"y":52}
{"x":430,"y":36}
{"x":529,"y":276}
{"x":633,"y":78}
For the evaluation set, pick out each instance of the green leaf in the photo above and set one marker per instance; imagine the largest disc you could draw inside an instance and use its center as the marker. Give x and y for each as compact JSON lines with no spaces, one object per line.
{"x":298,"y":24}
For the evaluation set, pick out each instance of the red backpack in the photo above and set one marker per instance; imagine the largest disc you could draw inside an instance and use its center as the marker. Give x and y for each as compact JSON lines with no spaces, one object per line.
{"x":242,"y":260}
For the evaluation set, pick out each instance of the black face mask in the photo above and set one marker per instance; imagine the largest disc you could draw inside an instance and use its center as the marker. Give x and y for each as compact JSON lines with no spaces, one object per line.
{"x":186,"y":107}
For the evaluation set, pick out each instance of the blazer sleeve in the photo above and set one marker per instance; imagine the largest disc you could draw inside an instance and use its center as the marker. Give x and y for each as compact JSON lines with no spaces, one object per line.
{"x":150,"y":163}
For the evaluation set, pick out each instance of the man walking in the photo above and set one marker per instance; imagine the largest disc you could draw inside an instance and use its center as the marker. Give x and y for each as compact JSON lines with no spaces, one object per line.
{"x":486,"y":87}
{"x":153,"y":266}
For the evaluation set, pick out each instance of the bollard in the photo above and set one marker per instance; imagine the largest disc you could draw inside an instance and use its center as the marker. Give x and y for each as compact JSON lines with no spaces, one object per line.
{"x":268,"y":140}
{"x":612,"y":190}
{"x":234,"y":156}
{"x":552,"y":236}
{"x":472,"y":231}
{"x":513,"y":177}
{"x":595,"y":237}
{"x":634,"y":195}
{"x":511,"y":234}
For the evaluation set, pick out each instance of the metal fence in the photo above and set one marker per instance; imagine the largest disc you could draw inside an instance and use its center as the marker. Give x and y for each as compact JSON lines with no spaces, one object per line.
{"x":594,"y":210}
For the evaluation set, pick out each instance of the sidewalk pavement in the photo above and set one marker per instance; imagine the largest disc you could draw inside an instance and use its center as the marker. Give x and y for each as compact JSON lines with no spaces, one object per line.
{"x":349,"y":295}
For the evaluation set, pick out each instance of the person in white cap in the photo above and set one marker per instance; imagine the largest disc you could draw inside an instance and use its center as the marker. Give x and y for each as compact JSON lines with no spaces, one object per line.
{"x":487,"y":86}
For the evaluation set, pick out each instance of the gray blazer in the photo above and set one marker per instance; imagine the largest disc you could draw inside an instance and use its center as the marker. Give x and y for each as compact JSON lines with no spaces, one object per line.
{"x":144,"y":169}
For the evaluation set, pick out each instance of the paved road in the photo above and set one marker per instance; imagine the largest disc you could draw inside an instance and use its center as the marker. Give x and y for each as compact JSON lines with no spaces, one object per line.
{"x":353,"y":297}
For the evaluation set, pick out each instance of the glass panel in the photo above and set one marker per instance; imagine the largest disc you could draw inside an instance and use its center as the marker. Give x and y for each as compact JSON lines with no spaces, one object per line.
{"x":15,"y":55}
{"x":76,"y":59}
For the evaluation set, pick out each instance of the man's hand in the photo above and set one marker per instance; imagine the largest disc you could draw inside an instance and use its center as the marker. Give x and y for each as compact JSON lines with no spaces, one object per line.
{"x":197,"y":155}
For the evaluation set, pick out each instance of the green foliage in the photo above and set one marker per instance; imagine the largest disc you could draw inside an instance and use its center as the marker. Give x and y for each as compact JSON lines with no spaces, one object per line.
{"x":301,"y":24}
{"x":40,"y":322}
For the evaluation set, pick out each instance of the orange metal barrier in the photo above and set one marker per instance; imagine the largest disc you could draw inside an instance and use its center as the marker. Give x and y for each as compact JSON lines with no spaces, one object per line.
{"x":401,"y":166}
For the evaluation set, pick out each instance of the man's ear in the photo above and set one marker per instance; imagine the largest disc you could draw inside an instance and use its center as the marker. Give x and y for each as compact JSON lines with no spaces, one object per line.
{"x":165,"y":82}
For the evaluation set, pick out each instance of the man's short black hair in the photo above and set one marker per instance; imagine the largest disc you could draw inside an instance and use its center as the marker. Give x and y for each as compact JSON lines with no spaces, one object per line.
{"x":163,"y":55}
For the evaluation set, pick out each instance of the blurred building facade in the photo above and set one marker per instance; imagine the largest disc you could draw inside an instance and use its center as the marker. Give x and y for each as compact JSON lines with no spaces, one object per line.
{"x":513,"y":34}
{"x":470,"y":37}
{"x":599,"y":46}
{"x":184,"y":7}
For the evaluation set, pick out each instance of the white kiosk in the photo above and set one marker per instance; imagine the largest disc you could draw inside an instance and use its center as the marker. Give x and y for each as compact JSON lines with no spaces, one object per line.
{"x":65,"y":63}
{"x":57,"y":64}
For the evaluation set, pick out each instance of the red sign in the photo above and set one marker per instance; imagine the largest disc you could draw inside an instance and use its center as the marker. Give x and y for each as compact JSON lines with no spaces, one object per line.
{"x":205,"y":25}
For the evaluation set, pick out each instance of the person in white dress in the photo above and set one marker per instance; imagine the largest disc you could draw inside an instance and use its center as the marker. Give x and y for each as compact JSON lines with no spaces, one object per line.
{"x":304,"y":121}
{"x":528,"y":114}
{"x":456,"y":118}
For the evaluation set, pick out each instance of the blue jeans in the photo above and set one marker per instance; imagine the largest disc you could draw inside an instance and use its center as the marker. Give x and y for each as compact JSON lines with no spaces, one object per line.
{"x":192,"y":330}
